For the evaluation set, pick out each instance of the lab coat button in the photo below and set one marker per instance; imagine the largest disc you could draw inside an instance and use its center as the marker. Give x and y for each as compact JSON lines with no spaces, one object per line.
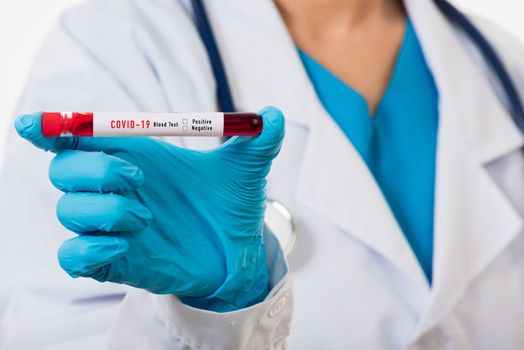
{"x":278,"y":306}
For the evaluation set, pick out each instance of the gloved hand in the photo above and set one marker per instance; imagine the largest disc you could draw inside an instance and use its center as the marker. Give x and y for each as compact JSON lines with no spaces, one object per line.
{"x":163,"y":218}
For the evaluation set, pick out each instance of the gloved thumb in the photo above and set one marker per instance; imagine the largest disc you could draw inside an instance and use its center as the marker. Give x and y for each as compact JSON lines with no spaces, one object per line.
{"x":29,"y":126}
{"x":262,"y":149}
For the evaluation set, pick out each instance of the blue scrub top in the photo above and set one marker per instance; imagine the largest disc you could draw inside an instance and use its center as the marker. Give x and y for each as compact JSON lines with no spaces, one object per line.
{"x":399,"y":143}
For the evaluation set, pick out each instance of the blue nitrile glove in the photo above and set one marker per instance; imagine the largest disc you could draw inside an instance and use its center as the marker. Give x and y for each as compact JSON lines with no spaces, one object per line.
{"x":163,"y":218}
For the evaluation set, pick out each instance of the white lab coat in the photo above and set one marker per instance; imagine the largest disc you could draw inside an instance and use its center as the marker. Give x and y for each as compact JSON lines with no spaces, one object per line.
{"x":357,"y":284}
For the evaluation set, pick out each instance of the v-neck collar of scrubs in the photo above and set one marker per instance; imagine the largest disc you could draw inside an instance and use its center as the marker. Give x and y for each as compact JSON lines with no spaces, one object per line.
{"x":340,"y":98}
{"x":399,"y":143}
{"x":342,"y":91}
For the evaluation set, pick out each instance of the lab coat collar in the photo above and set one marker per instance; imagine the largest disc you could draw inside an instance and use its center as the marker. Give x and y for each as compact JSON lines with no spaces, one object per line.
{"x":474,"y":221}
{"x":481,"y":119}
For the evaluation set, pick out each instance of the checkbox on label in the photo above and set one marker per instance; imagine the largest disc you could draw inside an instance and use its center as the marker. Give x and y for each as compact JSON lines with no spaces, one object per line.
{"x":184,"y":121}
{"x":184,"y":128}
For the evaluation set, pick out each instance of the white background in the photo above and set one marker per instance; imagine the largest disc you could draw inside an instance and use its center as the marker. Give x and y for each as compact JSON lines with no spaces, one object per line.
{"x":23,"y":24}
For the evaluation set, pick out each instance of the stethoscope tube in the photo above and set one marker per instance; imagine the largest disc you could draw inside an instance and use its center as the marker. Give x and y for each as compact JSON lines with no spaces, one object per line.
{"x":225,"y":98}
{"x":491,"y":57}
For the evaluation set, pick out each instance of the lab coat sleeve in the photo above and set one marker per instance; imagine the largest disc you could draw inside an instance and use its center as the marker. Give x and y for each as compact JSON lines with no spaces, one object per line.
{"x":41,"y":307}
{"x":262,"y":326}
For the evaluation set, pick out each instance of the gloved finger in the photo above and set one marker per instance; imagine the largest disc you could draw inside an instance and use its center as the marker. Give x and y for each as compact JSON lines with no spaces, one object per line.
{"x":29,"y":126}
{"x":264,"y":147}
{"x":90,"y":256}
{"x":85,"y":212}
{"x":72,"y":171}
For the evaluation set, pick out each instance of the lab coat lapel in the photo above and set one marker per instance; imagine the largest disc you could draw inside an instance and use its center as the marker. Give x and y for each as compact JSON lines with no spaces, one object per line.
{"x":264,"y":68}
{"x":474,"y":221}
{"x":336,"y":183}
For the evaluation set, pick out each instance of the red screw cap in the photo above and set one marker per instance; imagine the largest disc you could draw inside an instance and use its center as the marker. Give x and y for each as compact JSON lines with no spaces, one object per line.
{"x":51,"y":124}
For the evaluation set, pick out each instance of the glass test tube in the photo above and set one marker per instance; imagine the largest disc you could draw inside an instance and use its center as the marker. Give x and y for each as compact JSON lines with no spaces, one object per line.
{"x":150,"y":124}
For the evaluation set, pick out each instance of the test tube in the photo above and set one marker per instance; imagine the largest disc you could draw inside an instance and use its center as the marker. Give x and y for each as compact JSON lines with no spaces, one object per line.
{"x":55,"y":124}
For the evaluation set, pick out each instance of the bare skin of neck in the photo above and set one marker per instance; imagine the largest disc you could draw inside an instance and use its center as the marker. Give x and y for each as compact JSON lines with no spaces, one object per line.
{"x":357,"y":40}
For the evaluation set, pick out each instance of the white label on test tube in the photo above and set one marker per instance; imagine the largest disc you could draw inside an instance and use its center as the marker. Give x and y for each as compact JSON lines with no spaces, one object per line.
{"x":160,"y":124}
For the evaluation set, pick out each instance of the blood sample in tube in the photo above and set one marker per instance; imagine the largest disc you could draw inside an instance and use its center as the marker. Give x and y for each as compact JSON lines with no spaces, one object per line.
{"x":55,"y":124}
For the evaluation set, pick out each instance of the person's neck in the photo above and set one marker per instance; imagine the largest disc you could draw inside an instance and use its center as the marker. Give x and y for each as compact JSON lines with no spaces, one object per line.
{"x":356,"y":40}
{"x":334,"y":18}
